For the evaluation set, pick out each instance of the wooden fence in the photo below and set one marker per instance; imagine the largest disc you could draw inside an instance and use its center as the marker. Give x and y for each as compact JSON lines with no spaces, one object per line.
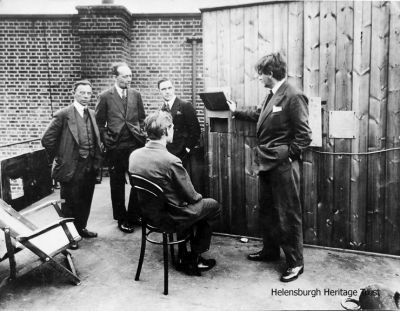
{"x":346,"y":53}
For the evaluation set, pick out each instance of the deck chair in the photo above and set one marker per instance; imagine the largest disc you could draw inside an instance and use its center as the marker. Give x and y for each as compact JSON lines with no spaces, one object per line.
{"x":45,"y":242}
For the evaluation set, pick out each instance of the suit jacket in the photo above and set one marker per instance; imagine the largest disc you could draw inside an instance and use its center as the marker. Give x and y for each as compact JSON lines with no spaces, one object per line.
{"x":155,"y":163}
{"x":61,"y":142}
{"x":186,"y":128}
{"x":282,"y":127}
{"x":111,"y":116}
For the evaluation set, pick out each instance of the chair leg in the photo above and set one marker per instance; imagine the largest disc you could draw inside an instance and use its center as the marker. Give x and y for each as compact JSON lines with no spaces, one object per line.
{"x":70,"y":262}
{"x":171,"y":247}
{"x":10,"y":251}
{"x":165,"y":249}
{"x":142,"y":250}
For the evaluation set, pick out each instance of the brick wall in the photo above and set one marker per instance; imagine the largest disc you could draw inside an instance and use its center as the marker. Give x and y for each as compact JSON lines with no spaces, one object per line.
{"x":160,"y":49}
{"x":41,"y":57}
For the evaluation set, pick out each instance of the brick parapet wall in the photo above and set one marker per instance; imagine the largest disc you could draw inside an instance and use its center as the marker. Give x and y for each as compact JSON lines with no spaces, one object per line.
{"x":42,"y":56}
{"x":160,"y":49}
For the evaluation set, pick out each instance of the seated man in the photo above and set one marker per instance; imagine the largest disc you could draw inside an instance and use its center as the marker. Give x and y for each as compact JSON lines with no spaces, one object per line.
{"x":155,"y":163}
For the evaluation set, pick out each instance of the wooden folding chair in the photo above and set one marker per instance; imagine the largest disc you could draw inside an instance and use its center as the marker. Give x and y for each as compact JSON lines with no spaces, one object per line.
{"x":45,"y":242}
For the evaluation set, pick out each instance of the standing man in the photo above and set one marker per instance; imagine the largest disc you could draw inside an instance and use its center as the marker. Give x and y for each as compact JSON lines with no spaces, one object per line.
{"x":282,"y":133}
{"x":72,"y":140}
{"x":186,"y":124}
{"x":120,"y":116}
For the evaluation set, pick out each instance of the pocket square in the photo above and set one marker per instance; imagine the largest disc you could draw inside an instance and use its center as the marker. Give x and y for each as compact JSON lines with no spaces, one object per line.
{"x":276,"y":108}
{"x":178,"y":112}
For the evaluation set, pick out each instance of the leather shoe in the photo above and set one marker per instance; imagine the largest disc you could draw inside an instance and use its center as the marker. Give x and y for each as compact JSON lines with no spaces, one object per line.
{"x":125,"y":227}
{"x":73,"y":245}
{"x":292,"y":274}
{"x":205,"y":264}
{"x":85,"y":233}
{"x":260,"y":256}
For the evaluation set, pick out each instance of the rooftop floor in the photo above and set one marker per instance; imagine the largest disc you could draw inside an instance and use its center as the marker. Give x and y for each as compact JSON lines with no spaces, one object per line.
{"x":107,"y":266}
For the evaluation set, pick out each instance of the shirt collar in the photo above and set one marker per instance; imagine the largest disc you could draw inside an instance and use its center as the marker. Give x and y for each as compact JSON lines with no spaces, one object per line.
{"x":277,"y":86}
{"x":79,"y":107}
{"x":171,"y":102}
{"x":119,"y":90}
{"x":155,"y":144}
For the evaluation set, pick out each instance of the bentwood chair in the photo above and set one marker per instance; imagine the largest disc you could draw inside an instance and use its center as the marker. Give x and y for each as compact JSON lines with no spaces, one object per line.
{"x":152,"y":203}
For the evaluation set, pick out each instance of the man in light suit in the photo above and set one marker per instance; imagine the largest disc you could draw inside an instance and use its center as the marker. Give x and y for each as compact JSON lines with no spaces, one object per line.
{"x":72,"y":140}
{"x":282,"y":133}
{"x":186,"y":125}
{"x":158,"y":165}
{"x":120,"y":115}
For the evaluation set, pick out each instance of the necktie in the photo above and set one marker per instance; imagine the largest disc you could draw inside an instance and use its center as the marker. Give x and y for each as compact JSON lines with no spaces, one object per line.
{"x":268,"y":99}
{"x":85,"y":113}
{"x":125,"y":98}
{"x":166,"y":108}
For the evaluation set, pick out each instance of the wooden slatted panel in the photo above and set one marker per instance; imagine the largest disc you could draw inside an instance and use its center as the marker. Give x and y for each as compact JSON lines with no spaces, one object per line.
{"x":344,"y":62}
{"x":252,"y":188}
{"x":237,"y":89}
{"x":377,"y":124}
{"x":265,"y":40}
{"x":224,"y":71}
{"x":280,"y":26}
{"x":209,"y":21}
{"x":295,"y":44}
{"x":311,"y":88}
{"x":392,"y":211}
{"x":359,"y":165}
{"x":327,"y":93}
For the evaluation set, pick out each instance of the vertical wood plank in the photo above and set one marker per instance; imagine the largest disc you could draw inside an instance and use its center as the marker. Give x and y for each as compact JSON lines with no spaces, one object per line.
{"x":392,"y":209}
{"x":344,"y":62}
{"x":296,"y":44}
{"x":359,"y":164}
{"x":311,"y":88}
{"x":265,"y":40}
{"x":252,"y":187}
{"x":238,"y":91}
{"x":209,"y":21}
{"x":377,"y":124}
{"x":327,"y":93}
{"x":280,"y":27}
{"x":250,"y":55}
{"x":223,"y":59}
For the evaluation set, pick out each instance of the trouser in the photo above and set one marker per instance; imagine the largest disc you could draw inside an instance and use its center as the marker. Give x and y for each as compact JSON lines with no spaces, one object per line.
{"x":280,"y":212}
{"x":201,"y":226}
{"x":78,"y":193}
{"x":119,"y":164}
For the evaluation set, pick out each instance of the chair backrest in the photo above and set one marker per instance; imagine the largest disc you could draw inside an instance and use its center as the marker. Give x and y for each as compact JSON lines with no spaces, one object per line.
{"x":152,"y":201}
{"x":48,"y":242}
{"x":10,"y":218}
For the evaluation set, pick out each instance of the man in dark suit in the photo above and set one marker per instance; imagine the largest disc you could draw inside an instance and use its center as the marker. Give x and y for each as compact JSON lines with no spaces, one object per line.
{"x":120,"y":115}
{"x":282,"y":133}
{"x":158,"y":165}
{"x":72,"y":140}
{"x":186,"y":125}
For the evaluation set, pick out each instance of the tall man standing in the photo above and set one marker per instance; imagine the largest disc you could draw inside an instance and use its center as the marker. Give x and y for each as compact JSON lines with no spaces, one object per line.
{"x":282,"y":133}
{"x":72,"y":140}
{"x":186,"y":125}
{"x":120,"y":116}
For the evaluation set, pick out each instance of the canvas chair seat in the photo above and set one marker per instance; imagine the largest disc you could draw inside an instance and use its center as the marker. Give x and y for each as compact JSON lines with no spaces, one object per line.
{"x":45,"y":242}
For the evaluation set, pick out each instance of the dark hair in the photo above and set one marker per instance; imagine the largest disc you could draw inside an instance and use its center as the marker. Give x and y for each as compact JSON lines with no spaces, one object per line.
{"x":161,"y":81}
{"x":81,"y":82}
{"x":274,"y":63}
{"x":157,"y":123}
{"x":115,"y":66}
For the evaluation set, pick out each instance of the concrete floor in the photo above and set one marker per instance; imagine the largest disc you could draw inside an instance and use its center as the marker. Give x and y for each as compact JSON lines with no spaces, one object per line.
{"x":107,"y":266}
